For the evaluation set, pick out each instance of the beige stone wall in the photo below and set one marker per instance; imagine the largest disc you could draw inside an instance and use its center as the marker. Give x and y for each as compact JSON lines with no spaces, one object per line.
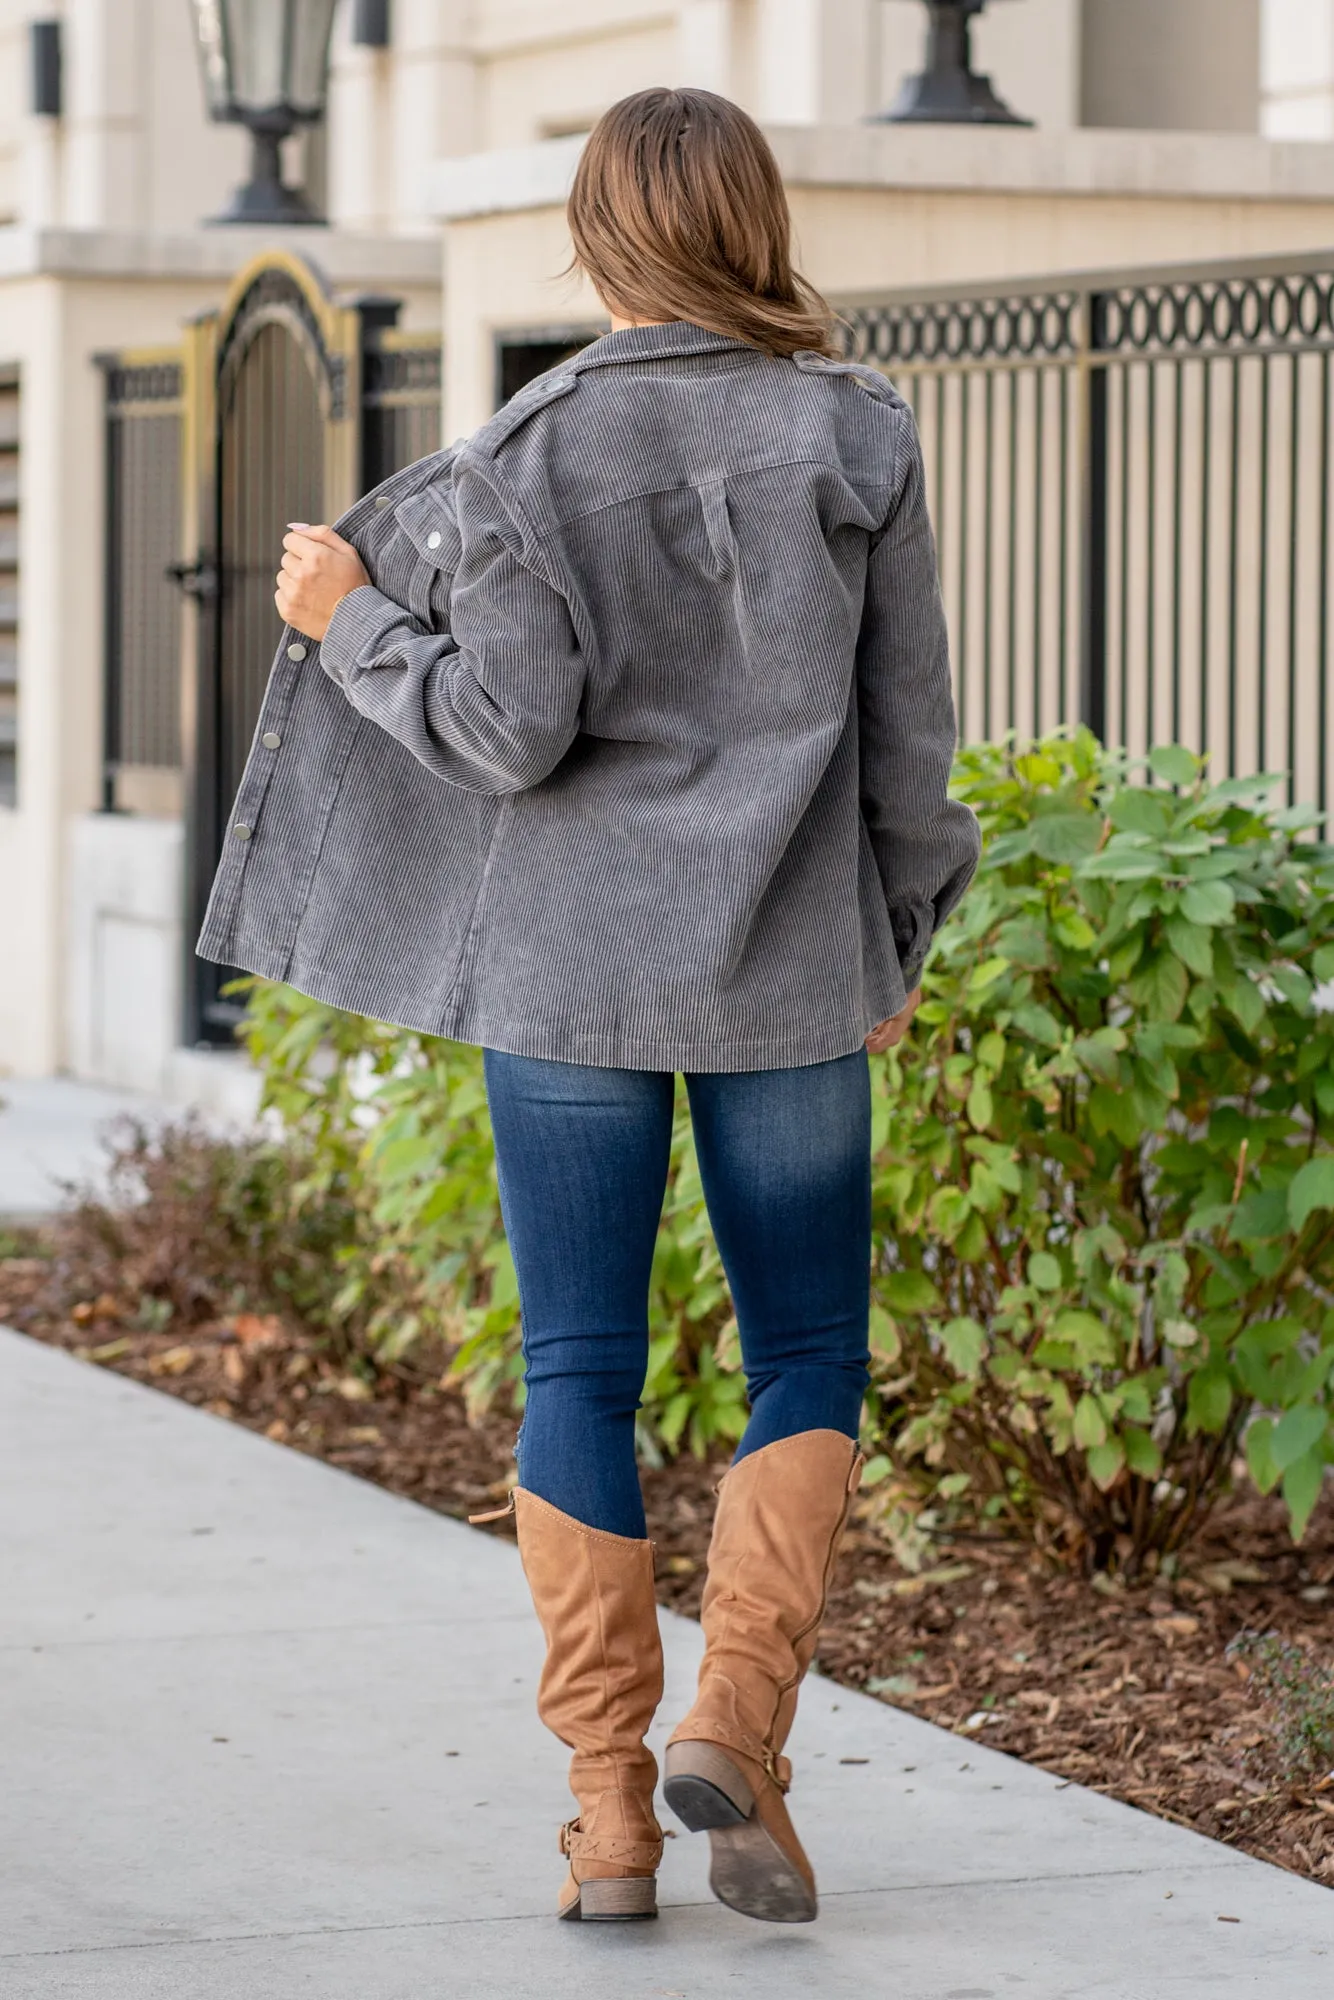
{"x":52,"y":329}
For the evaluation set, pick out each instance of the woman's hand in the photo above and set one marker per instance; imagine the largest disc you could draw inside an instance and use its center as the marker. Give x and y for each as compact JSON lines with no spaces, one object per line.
{"x":891,"y":1032}
{"x":319,"y":569}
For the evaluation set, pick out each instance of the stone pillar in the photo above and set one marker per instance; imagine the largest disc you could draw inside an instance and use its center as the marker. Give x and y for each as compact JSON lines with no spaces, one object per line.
{"x":1172,"y":65}
{"x":432,"y":110}
{"x":707,"y":46}
{"x":813,"y":61}
{"x":1297,"y":69}
{"x":104,"y":61}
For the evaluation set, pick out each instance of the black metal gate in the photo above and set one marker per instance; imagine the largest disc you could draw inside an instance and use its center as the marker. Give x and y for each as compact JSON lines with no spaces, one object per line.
{"x":296,"y":405}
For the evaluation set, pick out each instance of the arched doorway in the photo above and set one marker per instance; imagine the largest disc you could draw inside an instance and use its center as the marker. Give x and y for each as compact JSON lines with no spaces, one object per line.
{"x":276,"y":384}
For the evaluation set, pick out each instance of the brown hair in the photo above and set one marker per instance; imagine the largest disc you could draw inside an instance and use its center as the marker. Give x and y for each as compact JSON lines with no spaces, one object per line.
{"x":678,"y":212}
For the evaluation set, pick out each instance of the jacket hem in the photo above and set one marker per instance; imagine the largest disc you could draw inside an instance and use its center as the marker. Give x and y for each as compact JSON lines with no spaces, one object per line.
{"x":697,"y":1055}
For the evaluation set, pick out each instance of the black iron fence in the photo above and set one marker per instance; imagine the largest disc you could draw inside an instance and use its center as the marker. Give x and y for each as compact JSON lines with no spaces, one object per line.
{"x":1130,"y":476}
{"x":142,"y":646}
{"x":401,"y":384}
{"x":1131,"y":480}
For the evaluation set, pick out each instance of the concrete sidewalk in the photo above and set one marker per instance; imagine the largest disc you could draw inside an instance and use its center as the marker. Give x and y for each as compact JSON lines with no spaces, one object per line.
{"x":265,"y":1731}
{"x":51,"y":1131}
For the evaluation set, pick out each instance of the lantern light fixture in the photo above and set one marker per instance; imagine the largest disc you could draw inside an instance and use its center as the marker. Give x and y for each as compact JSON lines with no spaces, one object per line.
{"x":265,"y":65}
{"x":949,"y":90}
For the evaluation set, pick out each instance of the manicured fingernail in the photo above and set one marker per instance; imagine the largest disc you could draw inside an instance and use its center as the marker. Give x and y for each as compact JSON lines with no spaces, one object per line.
{"x":298,"y":524}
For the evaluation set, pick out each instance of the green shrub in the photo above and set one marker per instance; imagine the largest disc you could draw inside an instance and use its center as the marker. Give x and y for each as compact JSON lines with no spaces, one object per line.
{"x":1104,"y":1183}
{"x":1105,"y":1189}
{"x":395,"y":1124}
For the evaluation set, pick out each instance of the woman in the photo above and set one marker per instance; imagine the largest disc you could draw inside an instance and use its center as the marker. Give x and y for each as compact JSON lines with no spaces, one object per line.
{"x":669,"y":629}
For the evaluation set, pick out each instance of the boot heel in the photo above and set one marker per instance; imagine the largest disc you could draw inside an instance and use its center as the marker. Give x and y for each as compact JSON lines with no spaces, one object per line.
{"x":704,"y":1788}
{"x":618,"y":1900}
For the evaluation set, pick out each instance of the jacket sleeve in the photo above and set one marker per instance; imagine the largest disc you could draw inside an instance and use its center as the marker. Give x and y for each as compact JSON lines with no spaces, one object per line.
{"x":926,"y":844}
{"x":492,"y":704}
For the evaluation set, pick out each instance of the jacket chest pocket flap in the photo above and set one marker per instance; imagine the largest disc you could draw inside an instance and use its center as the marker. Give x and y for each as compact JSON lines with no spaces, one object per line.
{"x":432,"y":548}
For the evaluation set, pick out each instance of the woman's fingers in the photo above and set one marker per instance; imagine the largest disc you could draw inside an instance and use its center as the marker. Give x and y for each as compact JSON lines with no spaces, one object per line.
{"x":318,"y":570}
{"x":890,"y":1033}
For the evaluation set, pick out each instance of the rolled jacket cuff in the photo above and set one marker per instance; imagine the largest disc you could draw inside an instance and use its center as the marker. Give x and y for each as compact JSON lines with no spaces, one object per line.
{"x":358,"y":624}
{"x":913,"y":926}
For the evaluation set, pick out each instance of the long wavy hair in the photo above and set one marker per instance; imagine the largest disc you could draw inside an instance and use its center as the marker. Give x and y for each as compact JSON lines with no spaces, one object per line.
{"x":678,"y":211}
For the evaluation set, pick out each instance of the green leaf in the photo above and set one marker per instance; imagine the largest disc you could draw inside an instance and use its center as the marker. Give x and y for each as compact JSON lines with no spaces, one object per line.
{"x":1173,"y":764}
{"x":1086,"y":1334}
{"x":1192,"y":945}
{"x":1120,"y":865}
{"x":910,"y":1292}
{"x":1066,"y":837}
{"x":979,"y":1103}
{"x":1302,"y":1485}
{"x":1261,"y":1216}
{"x":885,"y":1339}
{"x":1090,"y":1426}
{"x":1259,"y":1456}
{"x":1075,"y":932}
{"x":986,"y":974}
{"x":1040,"y":1024}
{"x":1142,"y":1454}
{"x":1208,"y":903}
{"x":1312,"y":1187}
{"x":1105,"y":1462}
{"x":1160,"y":986}
{"x":1139,"y":810}
{"x":1296,"y":1433}
{"x":948,"y":1210}
{"x":1244,"y":999}
{"x":1044,"y":1272}
{"x":1115,"y":1111}
{"x":1209,"y":1400}
{"x":1322,"y":964}
{"x":965,"y":1343}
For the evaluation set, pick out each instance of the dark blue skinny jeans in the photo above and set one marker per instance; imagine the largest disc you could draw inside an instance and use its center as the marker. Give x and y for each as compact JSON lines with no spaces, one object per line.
{"x":785,"y":1157}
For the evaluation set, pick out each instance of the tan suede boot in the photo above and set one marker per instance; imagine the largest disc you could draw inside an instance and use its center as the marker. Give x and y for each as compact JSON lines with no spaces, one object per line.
{"x":599,"y":1691}
{"x":780,"y":1517}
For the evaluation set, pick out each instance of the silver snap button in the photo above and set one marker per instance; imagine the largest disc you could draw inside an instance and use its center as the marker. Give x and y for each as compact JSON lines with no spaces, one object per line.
{"x":433,"y":539}
{"x":382,"y":499}
{"x":241,"y":831}
{"x":296,"y":652}
{"x":271,"y":740}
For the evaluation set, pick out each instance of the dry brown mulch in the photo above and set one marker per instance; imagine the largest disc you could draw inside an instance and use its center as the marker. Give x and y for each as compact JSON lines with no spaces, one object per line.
{"x":1127,"y":1691}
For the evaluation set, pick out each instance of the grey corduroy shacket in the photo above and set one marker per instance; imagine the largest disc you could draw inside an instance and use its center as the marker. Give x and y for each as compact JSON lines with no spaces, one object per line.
{"x":635,"y":750}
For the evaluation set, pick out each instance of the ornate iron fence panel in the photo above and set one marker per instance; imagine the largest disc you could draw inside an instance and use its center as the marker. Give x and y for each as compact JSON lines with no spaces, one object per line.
{"x":141,"y":721}
{"x":1131,"y":480}
{"x":401,"y":386}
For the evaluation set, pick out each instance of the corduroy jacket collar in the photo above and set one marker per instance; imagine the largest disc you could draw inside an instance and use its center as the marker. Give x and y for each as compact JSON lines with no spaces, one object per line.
{"x":671,"y":341}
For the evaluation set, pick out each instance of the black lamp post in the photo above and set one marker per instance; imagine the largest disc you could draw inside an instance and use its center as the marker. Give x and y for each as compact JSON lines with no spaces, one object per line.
{"x":949,"y":91}
{"x":266,"y":66}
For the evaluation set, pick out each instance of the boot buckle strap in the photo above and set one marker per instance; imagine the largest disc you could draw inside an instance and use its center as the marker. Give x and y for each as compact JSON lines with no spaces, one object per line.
{"x":576,"y":1845}
{"x":710,"y":1728}
{"x":779,"y":1769}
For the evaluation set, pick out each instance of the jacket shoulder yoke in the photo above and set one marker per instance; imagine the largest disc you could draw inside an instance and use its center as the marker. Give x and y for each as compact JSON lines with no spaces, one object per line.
{"x":877,"y":386}
{"x":534,"y":396}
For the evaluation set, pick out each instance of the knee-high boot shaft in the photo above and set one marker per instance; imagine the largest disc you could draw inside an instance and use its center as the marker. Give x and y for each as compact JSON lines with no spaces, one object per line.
{"x":600,"y":1688}
{"x":780,"y":1518}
